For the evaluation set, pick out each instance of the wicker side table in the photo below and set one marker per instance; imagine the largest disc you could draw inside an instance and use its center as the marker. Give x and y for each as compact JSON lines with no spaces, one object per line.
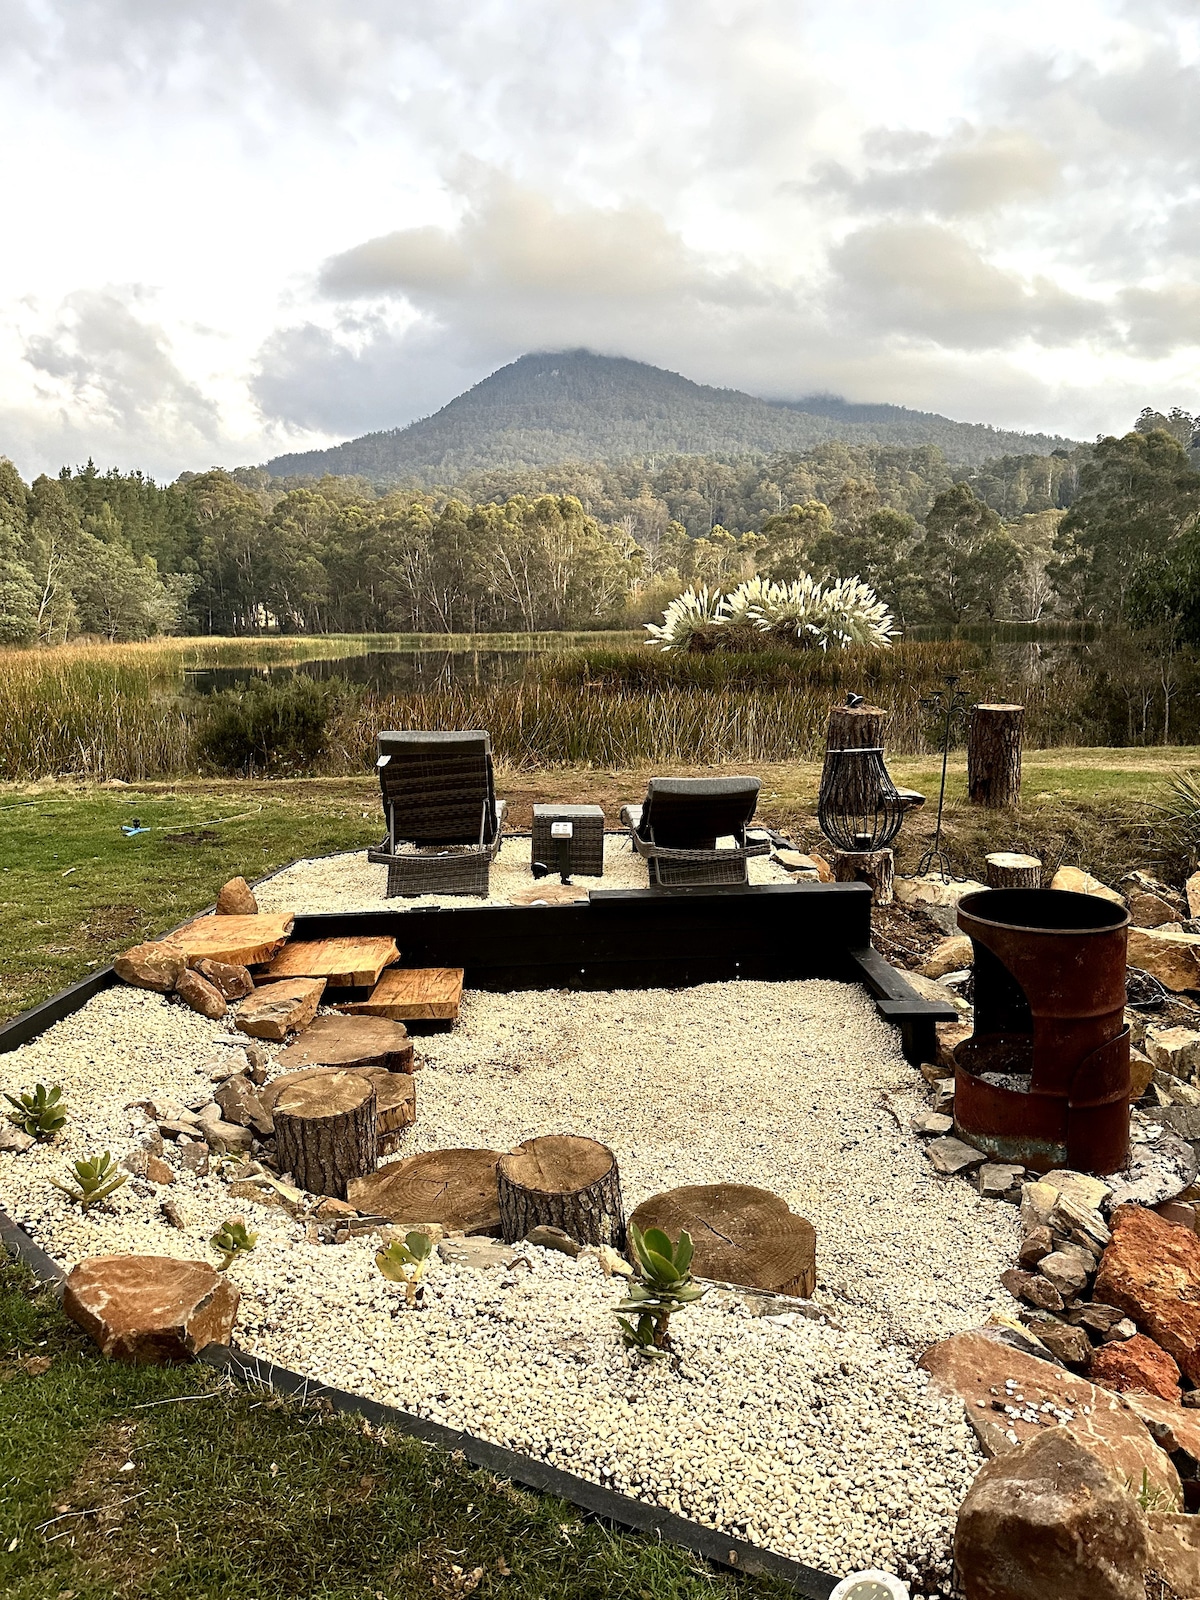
{"x":585,"y":853}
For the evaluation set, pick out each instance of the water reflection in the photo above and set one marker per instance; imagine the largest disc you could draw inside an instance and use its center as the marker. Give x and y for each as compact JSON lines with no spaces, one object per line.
{"x":383,"y":671}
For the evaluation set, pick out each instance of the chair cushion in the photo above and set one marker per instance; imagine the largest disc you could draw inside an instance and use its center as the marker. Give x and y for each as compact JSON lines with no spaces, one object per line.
{"x":690,"y":813}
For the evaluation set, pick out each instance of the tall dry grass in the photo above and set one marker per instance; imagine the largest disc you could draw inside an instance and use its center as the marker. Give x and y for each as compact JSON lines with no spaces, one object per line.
{"x":117,"y":711}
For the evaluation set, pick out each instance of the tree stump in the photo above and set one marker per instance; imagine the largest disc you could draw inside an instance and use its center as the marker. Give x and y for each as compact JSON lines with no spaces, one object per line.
{"x":561,"y":1181}
{"x":1006,"y":870}
{"x":325,"y":1131}
{"x":351,"y":1042}
{"x":741,"y":1235}
{"x":994,"y":755}
{"x":454,"y":1187}
{"x":875,"y":867}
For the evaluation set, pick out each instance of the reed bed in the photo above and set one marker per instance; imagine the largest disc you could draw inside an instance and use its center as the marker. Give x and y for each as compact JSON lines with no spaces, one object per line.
{"x":103,"y":711}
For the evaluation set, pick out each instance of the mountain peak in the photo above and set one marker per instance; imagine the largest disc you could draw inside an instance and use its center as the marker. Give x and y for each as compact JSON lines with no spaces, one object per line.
{"x":549,"y":407}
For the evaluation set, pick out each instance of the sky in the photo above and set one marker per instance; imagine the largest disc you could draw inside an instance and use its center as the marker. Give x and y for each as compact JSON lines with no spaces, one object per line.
{"x":237,"y":227}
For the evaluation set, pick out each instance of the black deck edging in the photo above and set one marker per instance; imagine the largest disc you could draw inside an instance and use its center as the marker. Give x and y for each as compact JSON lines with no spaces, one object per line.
{"x":604,"y":1505}
{"x":619,"y":1510}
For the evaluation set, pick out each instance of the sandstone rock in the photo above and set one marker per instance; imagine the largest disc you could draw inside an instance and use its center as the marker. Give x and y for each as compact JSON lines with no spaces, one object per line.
{"x":193,"y":1157}
{"x":798,"y":864}
{"x":331,"y":1209}
{"x":239,"y":1103}
{"x":1174,"y":1552}
{"x":1151,"y":1270}
{"x":933,"y":1123}
{"x":176,"y":1213}
{"x":1136,"y":1363}
{"x":1077,"y":881}
{"x":999,"y":1181}
{"x":1124,"y":1329}
{"x":1050,"y":1520}
{"x":932,"y":891}
{"x":930,"y":989}
{"x":236,"y":899}
{"x":949,"y":1036}
{"x":943,"y":1096}
{"x":158,"y":1171}
{"x":1080,"y":1223}
{"x":276,"y":1009}
{"x":1038,"y":1242}
{"x":1141,"y":1073}
{"x":1065,"y":1272}
{"x":1081,"y":1187}
{"x":479,"y":1253}
{"x":1002,"y":1388}
{"x":547,"y":1238}
{"x":1192,"y":890}
{"x":225,"y":1065}
{"x":1096,"y":1316}
{"x":1172,"y":958}
{"x":951,"y":1155}
{"x":201,"y":995}
{"x":223,"y":1136}
{"x":949,"y":956}
{"x":177,"y":1128}
{"x":1172,"y":1427}
{"x":150,"y":1309}
{"x":232,"y":981}
{"x":1174,"y":1050}
{"x":1038,"y":1200}
{"x":1032,"y":1288}
{"x":155,"y":965}
{"x":14,"y":1139}
{"x":1149,"y":911}
{"x":1069,"y":1345}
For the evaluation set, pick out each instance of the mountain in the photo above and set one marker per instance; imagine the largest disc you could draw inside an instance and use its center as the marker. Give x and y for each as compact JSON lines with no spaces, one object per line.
{"x":576,"y":406}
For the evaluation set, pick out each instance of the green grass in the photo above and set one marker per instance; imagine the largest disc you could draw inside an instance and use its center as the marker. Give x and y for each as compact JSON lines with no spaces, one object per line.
{"x":238,"y":1494}
{"x":74,"y":890}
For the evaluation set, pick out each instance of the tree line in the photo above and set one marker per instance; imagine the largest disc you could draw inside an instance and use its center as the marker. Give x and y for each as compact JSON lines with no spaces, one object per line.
{"x":1106,"y":533}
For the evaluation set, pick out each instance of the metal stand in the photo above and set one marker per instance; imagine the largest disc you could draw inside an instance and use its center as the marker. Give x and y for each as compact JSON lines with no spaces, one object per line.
{"x":951,"y":701}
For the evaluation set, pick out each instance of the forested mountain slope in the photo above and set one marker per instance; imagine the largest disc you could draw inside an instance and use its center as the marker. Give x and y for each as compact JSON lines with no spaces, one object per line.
{"x":576,"y":406}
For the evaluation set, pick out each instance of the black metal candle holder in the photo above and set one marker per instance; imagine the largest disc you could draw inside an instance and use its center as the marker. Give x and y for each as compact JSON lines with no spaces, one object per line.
{"x":859,"y":808}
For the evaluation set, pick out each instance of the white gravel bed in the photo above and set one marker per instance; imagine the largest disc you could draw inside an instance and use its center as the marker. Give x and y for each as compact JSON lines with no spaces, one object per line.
{"x":350,"y":882}
{"x":819,"y":1439}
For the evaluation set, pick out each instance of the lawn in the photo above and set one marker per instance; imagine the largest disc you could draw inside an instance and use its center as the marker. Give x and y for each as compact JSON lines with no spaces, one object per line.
{"x":125,"y":1483}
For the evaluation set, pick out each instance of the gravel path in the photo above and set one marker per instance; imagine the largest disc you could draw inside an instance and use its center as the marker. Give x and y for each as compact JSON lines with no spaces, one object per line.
{"x":819,"y":1439}
{"x":351,"y":883}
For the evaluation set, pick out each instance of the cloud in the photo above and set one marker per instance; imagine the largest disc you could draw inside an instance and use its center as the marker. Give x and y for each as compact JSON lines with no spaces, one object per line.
{"x":925,"y":280}
{"x":518,"y":242}
{"x":109,"y":364}
{"x":970,"y":173}
{"x":1161,"y":320}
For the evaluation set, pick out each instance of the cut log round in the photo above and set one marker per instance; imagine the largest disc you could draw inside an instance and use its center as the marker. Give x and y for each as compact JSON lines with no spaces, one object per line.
{"x":741,"y":1235}
{"x":561,"y":1181}
{"x":874,"y":867}
{"x":855,"y":728}
{"x":351,"y":1042}
{"x":325,"y":1131}
{"x":454,"y":1187}
{"x":1008,"y":870}
{"x":994,"y":755}
{"x":395,"y":1099}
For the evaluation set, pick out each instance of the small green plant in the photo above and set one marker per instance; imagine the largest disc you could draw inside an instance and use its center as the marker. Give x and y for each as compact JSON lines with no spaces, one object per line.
{"x":40,"y":1114}
{"x":407,"y":1263}
{"x":95,"y":1180}
{"x":663,"y":1286}
{"x":232,"y":1239}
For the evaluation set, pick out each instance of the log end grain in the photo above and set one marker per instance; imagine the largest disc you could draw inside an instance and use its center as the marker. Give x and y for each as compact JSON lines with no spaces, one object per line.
{"x":741,"y":1235}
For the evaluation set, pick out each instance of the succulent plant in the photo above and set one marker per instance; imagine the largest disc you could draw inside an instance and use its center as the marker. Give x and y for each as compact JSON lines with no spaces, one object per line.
{"x":663,"y":1286}
{"x":40,"y":1114}
{"x":406,"y":1263}
{"x":232,"y":1239}
{"x":95,"y":1179}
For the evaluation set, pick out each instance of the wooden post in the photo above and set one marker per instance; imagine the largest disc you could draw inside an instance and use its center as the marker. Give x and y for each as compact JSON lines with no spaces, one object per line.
{"x":876,"y":867}
{"x":994,"y":755}
{"x":1005,"y":870}
{"x":855,"y":727}
{"x":325,"y":1131}
{"x":561,"y":1181}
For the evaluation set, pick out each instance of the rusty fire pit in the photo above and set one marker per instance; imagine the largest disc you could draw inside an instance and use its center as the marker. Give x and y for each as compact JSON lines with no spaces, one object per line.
{"x":1044,"y":1079}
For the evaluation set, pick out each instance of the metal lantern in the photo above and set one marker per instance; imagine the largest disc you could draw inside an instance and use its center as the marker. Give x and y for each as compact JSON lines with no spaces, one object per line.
{"x":859,"y":808}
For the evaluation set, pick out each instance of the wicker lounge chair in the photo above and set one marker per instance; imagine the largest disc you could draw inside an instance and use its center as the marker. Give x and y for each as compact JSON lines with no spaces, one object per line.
{"x":443,"y":819}
{"x":677,"y":827}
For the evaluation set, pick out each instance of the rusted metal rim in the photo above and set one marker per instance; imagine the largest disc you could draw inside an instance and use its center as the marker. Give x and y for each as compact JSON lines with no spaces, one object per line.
{"x":1095,"y":914}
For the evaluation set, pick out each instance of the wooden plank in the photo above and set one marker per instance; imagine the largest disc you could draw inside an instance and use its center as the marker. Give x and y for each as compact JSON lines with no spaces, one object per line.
{"x":243,"y":941}
{"x":413,"y":994}
{"x":351,"y":963}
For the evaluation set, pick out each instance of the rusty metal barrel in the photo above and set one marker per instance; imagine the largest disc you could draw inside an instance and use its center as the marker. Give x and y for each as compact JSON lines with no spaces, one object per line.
{"x":1044,"y":1079}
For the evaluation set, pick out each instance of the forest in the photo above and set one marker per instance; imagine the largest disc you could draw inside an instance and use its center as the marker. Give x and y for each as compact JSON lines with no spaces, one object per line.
{"x":1105,"y":533}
